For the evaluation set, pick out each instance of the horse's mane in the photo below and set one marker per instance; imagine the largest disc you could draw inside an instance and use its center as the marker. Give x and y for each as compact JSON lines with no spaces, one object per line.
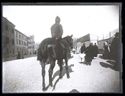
{"x":65,"y":40}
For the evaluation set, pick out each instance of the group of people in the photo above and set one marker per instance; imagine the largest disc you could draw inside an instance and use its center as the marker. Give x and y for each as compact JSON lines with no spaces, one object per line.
{"x":113,"y":50}
{"x":90,"y":52}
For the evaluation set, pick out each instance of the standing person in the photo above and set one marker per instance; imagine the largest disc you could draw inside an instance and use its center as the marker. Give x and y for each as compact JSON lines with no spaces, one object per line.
{"x":109,"y":47}
{"x":116,"y":50}
{"x":106,"y":51}
{"x":19,"y":55}
{"x":89,"y":54}
{"x":95,"y":50}
{"x":83,"y":48}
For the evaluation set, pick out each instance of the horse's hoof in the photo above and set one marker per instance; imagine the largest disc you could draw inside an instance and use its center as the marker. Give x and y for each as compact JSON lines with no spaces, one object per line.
{"x":44,"y":89}
{"x":60,"y":77}
{"x":68,"y":77}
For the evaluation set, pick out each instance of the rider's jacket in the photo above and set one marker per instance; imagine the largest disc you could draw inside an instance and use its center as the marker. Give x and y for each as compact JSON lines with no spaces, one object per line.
{"x":56,"y":31}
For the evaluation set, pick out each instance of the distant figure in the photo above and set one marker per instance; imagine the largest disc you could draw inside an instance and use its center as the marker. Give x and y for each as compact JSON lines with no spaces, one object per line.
{"x":95,"y":50}
{"x":115,"y":50}
{"x":89,"y":54}
{"x":106,"y":51}
{"x":83,"y":48}
{"x":19,"y":55}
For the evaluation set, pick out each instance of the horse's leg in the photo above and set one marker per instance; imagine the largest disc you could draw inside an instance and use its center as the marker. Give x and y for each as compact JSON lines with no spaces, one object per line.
{"x":60,"y":63}
{"x":52,"y":65}
{"x":67,"y":72}
{"x":43,"y":74}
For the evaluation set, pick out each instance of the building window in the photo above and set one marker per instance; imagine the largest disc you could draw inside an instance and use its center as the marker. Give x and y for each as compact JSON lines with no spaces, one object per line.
{"x":19,"y":42}
{"x":12,"y":41}
{"x":6,"y":27}
{"x":19,"y":36}
{"x":7,"y":40}
{"x":12,"y":31}
{"x":13,"y":51}
{"x":16,"y":35}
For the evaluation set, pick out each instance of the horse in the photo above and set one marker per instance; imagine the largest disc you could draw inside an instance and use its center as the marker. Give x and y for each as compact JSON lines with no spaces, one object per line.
{"x":45,"y":54}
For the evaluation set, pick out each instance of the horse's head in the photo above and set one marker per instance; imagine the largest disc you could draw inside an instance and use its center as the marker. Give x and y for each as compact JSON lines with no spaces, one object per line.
{"x":69,"y":40}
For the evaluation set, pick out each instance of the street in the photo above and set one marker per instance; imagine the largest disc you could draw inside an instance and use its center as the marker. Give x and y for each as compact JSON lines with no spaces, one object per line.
{"x":24,"y":76}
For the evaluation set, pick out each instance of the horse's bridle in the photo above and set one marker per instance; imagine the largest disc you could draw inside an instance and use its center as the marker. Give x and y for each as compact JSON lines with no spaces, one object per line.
{"x":70,"y":44}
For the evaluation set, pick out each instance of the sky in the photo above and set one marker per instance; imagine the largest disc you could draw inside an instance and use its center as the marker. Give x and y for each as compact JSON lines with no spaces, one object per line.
{"x":78,"y":20}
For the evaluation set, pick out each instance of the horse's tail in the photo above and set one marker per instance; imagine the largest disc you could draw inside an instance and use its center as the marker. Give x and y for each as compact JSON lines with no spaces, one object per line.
{"x":39,"y":53}
{"x":42,"y":50}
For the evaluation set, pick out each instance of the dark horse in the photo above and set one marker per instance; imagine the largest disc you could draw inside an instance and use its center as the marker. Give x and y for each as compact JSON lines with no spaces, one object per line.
{"x":45,"y":54}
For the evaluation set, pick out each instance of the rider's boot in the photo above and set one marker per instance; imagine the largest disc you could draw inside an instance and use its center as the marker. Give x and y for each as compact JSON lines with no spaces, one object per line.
{"x":54,"y":52}
{"x":51,"y":49}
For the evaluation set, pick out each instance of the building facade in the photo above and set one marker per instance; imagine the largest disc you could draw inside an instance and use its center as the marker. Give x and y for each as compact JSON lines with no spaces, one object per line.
{"x":8,"y":40}
{"x":15,"y":42}
{"x":36,"y":48}
{"x":21,"y":43}
{"x":31,"y":45}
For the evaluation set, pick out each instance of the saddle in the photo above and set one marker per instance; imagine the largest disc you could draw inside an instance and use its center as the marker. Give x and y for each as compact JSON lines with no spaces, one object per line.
{"x":55,"y":48}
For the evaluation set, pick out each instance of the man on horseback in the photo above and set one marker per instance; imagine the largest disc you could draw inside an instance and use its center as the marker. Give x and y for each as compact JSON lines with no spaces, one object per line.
{"x":56,"y":33}
{"x":52,"y":49}
{"x":56,"y":29}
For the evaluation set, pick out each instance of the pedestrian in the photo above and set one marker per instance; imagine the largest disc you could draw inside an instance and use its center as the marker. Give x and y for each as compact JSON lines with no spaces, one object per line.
{"x":116,"y":50}
{"x":95,"y":50}
{"x":83,"y":48}
{"x":19,"y":55}
{"x":89,"y":54}
{"x":106,"y":51}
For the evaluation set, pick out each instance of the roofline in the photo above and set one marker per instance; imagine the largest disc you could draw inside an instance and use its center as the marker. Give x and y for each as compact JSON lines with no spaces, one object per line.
{"x":8,"y":21}
{"x":21,"y":32}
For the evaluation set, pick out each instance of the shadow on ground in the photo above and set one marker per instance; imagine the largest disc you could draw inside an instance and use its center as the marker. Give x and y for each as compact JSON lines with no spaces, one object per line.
{"x":63,"y":73}
{"x":110,"y":64}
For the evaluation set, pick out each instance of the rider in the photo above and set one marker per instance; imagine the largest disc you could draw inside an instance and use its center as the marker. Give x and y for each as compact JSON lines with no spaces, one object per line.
{"x":56,"y":33}
{"x":56,"y":29}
